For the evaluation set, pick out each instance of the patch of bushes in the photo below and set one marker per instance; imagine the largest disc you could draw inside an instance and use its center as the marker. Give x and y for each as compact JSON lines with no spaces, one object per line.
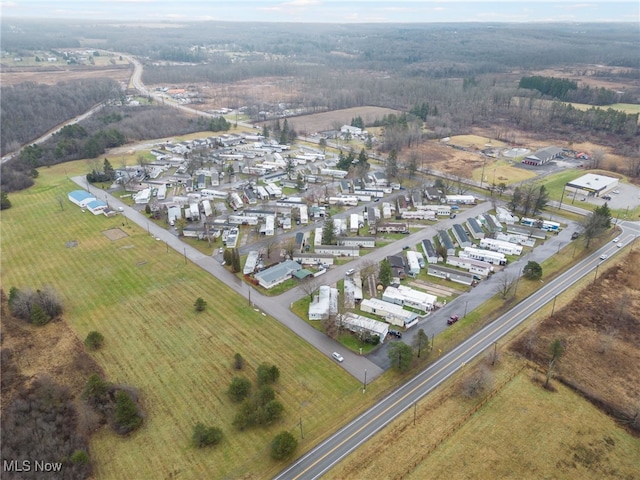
{"x":37,"y":307}
{"x":204,"y":436}
{"x":94,"y":340}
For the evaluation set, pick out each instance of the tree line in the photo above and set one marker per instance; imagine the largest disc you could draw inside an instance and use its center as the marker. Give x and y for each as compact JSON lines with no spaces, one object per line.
{"x":110,"y":127}
{"x":30,"y":109}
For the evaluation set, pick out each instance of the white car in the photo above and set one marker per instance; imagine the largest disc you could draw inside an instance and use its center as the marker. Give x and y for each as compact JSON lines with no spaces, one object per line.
{"x":351,"y":271}
{"x":337,"y":356}
{"x":616,"y":240}
{"x":603,"y":257}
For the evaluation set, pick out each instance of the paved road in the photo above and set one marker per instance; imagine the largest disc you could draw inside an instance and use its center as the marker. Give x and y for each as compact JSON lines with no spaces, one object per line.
{"x":273,"y":306}
{"x":332,"y":450}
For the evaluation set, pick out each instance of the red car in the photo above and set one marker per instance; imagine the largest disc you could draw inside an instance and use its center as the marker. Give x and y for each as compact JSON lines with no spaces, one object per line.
{"x":452,"y":319}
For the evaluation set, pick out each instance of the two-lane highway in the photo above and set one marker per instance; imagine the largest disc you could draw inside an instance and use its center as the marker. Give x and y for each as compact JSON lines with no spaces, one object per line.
{"x":324,"y":456}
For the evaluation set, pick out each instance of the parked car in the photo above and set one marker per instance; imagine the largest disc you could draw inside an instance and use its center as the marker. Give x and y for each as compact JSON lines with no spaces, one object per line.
{"x":452,"y":319}
{"x":337,"y":356}
{"x":575,"y":235}
{"x":406,"y":247}
{"x":395,"y":333}
{"x":351,"y":271}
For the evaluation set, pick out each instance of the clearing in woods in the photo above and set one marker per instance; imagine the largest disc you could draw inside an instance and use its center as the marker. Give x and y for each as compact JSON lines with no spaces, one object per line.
{"x":141,"y":298}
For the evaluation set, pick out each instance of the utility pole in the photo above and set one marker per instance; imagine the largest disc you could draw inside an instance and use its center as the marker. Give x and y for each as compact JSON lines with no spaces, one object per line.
{"x":553,"y":308}
{"x":301,"y":432}
{"x":364,"y":385}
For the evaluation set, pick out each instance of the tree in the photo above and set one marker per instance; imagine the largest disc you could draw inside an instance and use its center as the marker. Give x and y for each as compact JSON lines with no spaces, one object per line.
{"x":412,"y":165}
{"x":556,"y":350}
{"x":323,"y":145}
{"x":385,"y":274}
{"x":532,"y":271}
{"x":309,"y":286}
{"x":328,"y":232}
{"x":126,"y":417}
{"x":5,"y":203}
{"x":441,"y":251}
{"x":200,"y":304}
{"x":239,"y":389}
{"x":96,"y":390}
{"x":401,"y":355}
{"x":272,"y":412}
{"x":238,"y":361}
{"x":594,"y":225}
{"x":477,"y":383}
{"x":290,"y":167}
{"x":204,"y":436}
{"x":604,"y":212}
{"x":283,"y":446}
{"x":505,"y":285}
{"x":267,"y":374}
{"x":421,"y":342}
{"x":38,"y":316}
{"x":391,"y":166}
{"x":94,"y":340}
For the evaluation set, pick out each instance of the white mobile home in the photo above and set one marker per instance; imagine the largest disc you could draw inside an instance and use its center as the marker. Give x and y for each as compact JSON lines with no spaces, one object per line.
{"x":502,"y":247}
{"x":391,"y":312}
{"x":494,"y":258}
{"x":413,"y":263}
{"x":409,"y":297}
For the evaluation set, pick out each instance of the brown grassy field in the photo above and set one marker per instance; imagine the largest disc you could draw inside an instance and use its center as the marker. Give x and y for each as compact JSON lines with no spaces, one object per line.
{"x":328,"y":120}
{"x":51,"y":76}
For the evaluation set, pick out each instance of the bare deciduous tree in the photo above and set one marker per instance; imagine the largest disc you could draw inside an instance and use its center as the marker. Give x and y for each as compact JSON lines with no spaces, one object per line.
{"x":477,"y":383}
{"x":506,"y":284}
{"x":309,"y":286}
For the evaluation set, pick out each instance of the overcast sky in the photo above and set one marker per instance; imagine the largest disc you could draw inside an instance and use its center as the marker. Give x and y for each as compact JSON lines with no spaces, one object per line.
{"x":330,"y":11}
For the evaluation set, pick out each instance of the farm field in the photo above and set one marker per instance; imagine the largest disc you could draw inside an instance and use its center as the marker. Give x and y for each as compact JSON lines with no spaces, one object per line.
{"x":140,"y":297}
{"x":318,"y":122}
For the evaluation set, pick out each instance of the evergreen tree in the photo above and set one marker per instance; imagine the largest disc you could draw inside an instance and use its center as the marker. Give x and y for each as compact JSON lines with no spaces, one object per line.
{"x":283,"y":446}
{"x":4,"y":201}
{"x":126,"y":417}
{"x":328,"y":232}
{"x":385,"y":273}
{"x":38,"y":315}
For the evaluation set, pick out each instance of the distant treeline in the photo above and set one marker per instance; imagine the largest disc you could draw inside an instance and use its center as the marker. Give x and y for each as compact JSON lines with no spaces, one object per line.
{"x":568,"y":91}
{"x":435,"y":50}
{"x":111,"y":127}
{"x":554,"y":87}
{"x":31,"y":109}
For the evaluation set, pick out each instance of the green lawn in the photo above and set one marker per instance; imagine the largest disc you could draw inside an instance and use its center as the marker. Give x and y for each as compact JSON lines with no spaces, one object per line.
{"x":140,"y":297}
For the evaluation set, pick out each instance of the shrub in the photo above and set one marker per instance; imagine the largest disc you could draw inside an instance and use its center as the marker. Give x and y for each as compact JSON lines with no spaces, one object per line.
{"x":267,"y":374}
{"x":239,"y":389}
{"x":272,"y":412}
{"x":205,"y":436}
{"x":238,"y":361}
{"x":200,"y":304}
{"x":96,"y":390}
{"x":283,"y":446}
{"x":94,"y":340}
{"x":38,"y":315}
{"x":126,"y":418}
{"x":80,"y":457}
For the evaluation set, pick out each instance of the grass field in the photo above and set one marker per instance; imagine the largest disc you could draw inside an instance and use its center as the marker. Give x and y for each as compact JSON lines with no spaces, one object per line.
{"x":523,"y":431}
{"x":140,"y":297}
{"x":475,"y":141}
{"x":501,"y":171}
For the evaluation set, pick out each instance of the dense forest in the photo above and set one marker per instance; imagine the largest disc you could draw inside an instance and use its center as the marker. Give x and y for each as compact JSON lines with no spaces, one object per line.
{"x":110,"y":127}
{"x":30,"y":109}
{"x":436,"y":50}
